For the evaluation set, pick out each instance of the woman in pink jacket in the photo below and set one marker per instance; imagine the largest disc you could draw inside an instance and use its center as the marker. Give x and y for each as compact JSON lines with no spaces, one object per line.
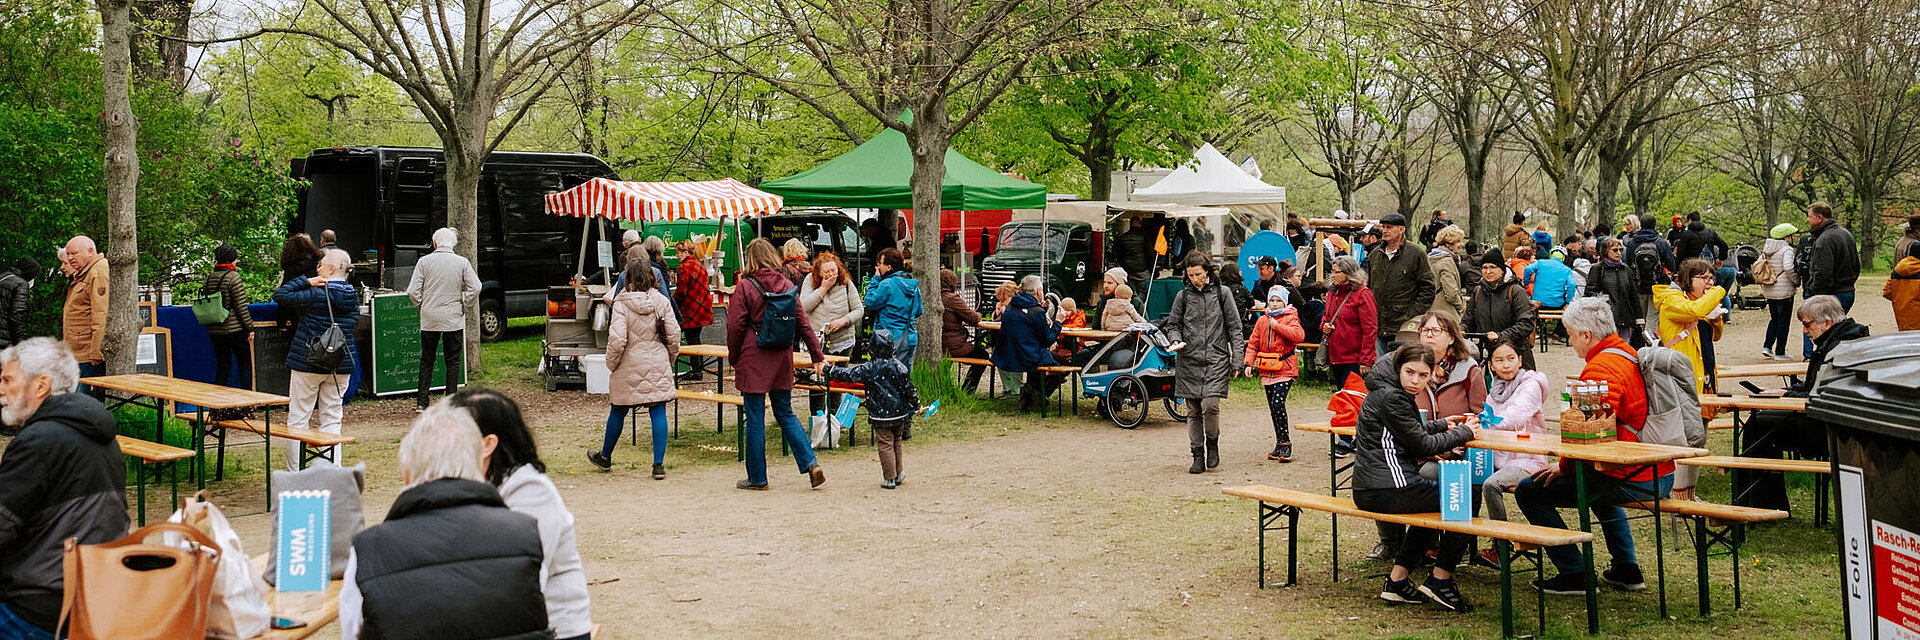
{"x":1270,"y":353}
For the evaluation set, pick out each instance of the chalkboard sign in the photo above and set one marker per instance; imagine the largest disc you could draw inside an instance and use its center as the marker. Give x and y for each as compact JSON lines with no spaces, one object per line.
{"x":270,"y":347}
{"x":396,"y":348}
{"x":153,"y":353}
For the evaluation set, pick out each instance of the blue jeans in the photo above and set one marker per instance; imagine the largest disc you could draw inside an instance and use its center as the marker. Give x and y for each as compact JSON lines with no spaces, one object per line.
{"x":1779,"y":319}
{"x":1542,"y":504}
{"x":14,"y":628}
{"x":756,"y":433}
{"x":1806,"y":341}
{"x":617,"y":420}
{"x":1724,"y":277}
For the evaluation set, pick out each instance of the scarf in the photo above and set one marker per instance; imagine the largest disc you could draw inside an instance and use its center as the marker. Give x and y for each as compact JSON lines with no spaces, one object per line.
{"x":1610,"y":262}
{"x":227,"y":265}
{"x":1278,"y":311}
{"x":1502,"y":390}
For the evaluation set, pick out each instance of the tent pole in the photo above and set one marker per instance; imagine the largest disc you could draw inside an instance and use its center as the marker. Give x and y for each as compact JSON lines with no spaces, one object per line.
{"x":580,"y":265}
{"x":1043,"y":252}
{"x":601,"y":230}
{"x":964,"y":268}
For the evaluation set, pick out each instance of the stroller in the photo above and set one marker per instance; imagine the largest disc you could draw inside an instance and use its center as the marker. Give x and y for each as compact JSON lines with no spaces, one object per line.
{"x":1744,"y":256}
{"x":1129,"y":372}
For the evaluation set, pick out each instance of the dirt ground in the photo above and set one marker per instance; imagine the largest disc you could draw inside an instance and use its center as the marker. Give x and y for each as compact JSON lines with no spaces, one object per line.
{"x":1010,"y":526}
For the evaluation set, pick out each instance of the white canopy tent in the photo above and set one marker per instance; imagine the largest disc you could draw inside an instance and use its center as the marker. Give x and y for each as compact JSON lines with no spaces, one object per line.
{"x":1211,"y":179}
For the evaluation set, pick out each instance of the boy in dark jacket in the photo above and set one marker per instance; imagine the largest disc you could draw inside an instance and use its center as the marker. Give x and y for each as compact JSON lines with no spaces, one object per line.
{"x":1390,"y":440}
{"x":891,"y":402}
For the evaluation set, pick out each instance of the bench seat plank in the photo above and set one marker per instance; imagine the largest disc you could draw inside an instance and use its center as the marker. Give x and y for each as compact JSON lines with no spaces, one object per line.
{"x":974,"y":361}
{"x":151,"y":452}
{"x":709,"y":396}
{"x":312,"y":437}
{"x":1718,"y":513}
{"x":1514,"y":531}
{"x":1760,"y":464}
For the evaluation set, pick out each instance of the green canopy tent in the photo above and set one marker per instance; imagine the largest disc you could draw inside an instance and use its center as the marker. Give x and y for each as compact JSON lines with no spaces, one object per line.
{"x":877,"y":175}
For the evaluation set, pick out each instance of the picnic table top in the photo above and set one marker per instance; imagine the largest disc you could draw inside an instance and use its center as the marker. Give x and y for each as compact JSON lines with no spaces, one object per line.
{"x":1763,"y":370}
{"x":1619,"y":453}
{"x":1751,"y":402}
{"x":211,"y":396}
{"x":800,"y":359}
{"x":1074,"y":332}
{"x":317,"y":610}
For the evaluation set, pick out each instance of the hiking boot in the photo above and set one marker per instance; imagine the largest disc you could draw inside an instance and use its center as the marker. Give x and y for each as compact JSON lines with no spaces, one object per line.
{"x":1199,"y":460}
{"x":1443,"y":593}
{"x":1282,"y":452}
{"x":1565,"y":584}
{"x":1625,"y":577}
{"x":599,"y":460}
{"x":1402,"y":592}
{"x":1213,"y":453}
{"x":816,"y":475}
{"x":749,"y":485}
{"x":659,"y":472}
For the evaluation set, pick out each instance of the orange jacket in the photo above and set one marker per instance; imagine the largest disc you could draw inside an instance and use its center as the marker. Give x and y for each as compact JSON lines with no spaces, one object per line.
{"x":1628,"y":395}
{"x":1903,"y":288}
{"x":1281,"y":334}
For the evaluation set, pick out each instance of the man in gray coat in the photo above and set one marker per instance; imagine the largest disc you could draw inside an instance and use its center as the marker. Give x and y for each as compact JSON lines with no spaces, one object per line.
{"x":443,"y":285}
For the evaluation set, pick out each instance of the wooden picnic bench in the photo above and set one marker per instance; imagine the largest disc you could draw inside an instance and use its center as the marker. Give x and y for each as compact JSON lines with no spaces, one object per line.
{"x":314,"y":443}
{"x":1720,"y":526}
{"x":1511,"y":539}
{"x":158,"y":458}
{"x":992,"y":373}
{"x":1822,"y":469}
{"x":317,"y":609}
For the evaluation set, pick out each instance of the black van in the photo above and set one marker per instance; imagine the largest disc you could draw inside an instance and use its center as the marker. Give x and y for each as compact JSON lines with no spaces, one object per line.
{"x":385,"y":202}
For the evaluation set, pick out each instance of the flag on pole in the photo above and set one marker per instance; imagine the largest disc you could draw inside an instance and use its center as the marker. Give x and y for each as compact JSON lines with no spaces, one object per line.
{"x":1160,"y":241}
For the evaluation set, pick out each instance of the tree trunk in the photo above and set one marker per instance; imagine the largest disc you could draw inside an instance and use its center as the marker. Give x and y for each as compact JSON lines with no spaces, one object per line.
{"x":1481,"y":226}
{"x":463,"y":208}
{"x":123,"y":180}
{"x":1565,"y":191}
{"x":1606,"y":189}
{"x":1866,"y":226}
{"x":929,"y":140}
{"x":1101,"y":168}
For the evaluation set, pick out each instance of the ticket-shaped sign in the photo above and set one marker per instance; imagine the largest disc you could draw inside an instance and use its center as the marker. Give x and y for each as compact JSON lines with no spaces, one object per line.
{"x":304,"y":547}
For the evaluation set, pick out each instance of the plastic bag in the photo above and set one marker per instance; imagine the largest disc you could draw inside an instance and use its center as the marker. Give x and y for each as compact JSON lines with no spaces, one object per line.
{"x":825,"y":431}
{"x":239,"y":606}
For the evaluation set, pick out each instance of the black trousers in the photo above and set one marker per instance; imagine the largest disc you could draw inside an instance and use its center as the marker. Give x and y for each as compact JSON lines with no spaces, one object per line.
{"x":1419,"y":496}
{"x":231,"y":355}
{"x":452,"y":344}
{"x":1770,"y":434}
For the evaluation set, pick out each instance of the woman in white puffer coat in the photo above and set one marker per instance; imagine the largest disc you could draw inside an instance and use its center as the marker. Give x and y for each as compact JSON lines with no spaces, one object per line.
{"x":1778,"y":253}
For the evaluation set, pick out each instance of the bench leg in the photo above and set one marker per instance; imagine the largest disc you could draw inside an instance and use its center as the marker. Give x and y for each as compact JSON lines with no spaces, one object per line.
{"x":1267,"y":515}
{"x":1739,"y":533}
{"x":1820,"y":483}
{"x":1700,"y":549}
{"x":140,"y":489}
{"x":1505,"y":550}
{"x":1660,"y":558}
{"x":1586,"y":548}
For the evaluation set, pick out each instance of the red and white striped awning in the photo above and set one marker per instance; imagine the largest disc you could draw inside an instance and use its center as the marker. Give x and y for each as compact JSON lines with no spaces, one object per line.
{"x":662,"y":201}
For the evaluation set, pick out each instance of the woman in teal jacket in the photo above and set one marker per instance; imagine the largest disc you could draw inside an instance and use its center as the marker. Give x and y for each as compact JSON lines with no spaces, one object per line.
{"x":893,"y":301}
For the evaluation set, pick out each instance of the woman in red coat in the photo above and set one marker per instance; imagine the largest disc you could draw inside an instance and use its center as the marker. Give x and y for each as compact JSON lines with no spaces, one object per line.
{"x":766,"y":374}
{"x":1349,"y":323}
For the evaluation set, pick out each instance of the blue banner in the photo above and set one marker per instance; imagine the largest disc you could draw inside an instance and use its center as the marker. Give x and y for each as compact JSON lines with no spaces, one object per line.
{"x":849,"y":409}
{"x":1456,"y":490}
{"x":302,"y":552}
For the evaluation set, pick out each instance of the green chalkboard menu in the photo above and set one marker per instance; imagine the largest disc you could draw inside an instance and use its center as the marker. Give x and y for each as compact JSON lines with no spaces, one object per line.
{"x":396,"y":348}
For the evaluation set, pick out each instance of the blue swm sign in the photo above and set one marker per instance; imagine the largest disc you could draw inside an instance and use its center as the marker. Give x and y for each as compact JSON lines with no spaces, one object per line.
{"x":303,"y":548}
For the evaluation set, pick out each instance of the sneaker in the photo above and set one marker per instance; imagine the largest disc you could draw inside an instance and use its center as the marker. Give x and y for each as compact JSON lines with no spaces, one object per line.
{"x":899,"y":478}
{"x":1282,"y":452}
{"x":599,"y":460}
{"x":1782,"y":357}
{"x":1767,"y":354}
{"x":1342,"y":449}
{"x":1488,"y":558}
{"x":659,"y":472}
{"x":1402,"y":592}
{"x":1565,"y":584}
{"x":1381,"y":552}
{"x":1626,"y":577}
{"x":816,"y":475}
{"x":889,"y":483}
{"x":749,"y":486}
{"x":1443,"y":593}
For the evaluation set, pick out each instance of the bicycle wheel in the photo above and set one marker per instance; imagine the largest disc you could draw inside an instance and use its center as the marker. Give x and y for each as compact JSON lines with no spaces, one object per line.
{"x":1127,"y":402}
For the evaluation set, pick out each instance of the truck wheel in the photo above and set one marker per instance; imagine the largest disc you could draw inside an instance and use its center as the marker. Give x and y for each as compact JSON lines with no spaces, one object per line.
{"x":493,"y":320}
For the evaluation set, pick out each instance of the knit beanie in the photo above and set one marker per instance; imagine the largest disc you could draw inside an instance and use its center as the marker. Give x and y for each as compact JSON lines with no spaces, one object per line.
{"x":1493,"y":257}
{"x":1118,"y":274}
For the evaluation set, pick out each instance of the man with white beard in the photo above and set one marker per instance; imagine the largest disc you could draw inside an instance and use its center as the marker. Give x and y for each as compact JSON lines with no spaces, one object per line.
{"x":61,"y":478}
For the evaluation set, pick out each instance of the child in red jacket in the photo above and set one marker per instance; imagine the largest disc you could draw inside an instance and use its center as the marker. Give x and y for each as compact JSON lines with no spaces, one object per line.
{"x":1270,"y":353}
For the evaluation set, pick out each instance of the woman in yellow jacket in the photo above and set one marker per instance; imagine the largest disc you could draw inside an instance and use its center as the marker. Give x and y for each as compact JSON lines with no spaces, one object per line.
{"x":1903,"y":288}
{"x":1689,"y":308}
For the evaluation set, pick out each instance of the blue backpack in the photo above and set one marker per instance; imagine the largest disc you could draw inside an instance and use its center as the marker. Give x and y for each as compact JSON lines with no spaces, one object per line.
{"x":779,"y":317}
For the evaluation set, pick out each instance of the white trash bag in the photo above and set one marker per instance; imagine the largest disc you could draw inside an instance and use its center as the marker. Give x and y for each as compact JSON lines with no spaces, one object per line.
{"x":825,"y":431}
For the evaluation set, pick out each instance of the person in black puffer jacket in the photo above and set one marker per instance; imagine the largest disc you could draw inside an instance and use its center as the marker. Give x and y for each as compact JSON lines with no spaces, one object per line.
{"x":16,"y":293}
{"x":1614,"y":280}
{"x":422,"y":574}
{"x":891,"y":402}
{"x":1389,"y":443}
{"x":62,"y":478}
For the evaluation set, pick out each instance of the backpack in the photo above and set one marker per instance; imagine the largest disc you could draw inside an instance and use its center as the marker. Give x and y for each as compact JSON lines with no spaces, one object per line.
{"x":1647,"y":263}
{"x":329,"y":349}
{"x":1763,"y":271}
{"x":779,"y":317}
{"x":1673,"y":405}
{"x":1803,"y":258}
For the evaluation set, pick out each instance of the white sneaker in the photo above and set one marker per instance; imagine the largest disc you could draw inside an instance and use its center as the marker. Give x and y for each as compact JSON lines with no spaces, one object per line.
{"x":1783,"y":357}
{"x":1766,"y":354}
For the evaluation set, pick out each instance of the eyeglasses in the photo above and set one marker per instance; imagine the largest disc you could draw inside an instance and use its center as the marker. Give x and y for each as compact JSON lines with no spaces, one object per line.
{"x":1704,"y":276}
{"x":1615,"y":250}
{"x":1432,"y":331}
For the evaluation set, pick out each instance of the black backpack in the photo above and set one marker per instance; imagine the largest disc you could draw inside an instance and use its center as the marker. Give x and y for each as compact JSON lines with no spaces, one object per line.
{"x":1647,"y":264}
{"x":779,"y":317}
{"x":329,"y":349}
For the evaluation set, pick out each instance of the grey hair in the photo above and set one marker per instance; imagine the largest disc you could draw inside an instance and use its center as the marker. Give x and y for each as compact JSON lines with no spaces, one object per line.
{"x":336,"y":260}
{"x":1030,"y":284}
{"x":631,"y":236}
{"x":445,"y":238}
{"x":1822,"y":309}
{"x":1591,"y":315}
{"x":1351,"y":267}
{"x":45,"y":357}
{"x":443,"y":443}
{"x":655,"y":245}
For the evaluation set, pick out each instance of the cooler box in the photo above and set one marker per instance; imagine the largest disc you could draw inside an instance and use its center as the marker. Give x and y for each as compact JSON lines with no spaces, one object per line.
{"x":1869,"y":392}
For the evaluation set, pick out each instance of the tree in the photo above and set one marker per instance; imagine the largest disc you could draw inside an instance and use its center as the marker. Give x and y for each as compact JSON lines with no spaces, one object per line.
{"x":1410,"y":169}
{"x":464,"y":71}
{"x":1761,"y":142}
{"x":1347,"y":95}
{"x":910,"y":64}
{"x":1452,"y":67}
{"x":1863,"y":107}
{"x":122,"y":162}
{"x":1651,"y":169}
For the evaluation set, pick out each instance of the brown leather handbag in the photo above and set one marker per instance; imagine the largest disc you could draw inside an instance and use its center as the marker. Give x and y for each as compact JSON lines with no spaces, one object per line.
{"x":129,"y":589}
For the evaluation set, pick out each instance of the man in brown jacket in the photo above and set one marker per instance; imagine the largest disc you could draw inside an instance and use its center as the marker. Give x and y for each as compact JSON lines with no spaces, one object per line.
{"x":83,"y":319}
